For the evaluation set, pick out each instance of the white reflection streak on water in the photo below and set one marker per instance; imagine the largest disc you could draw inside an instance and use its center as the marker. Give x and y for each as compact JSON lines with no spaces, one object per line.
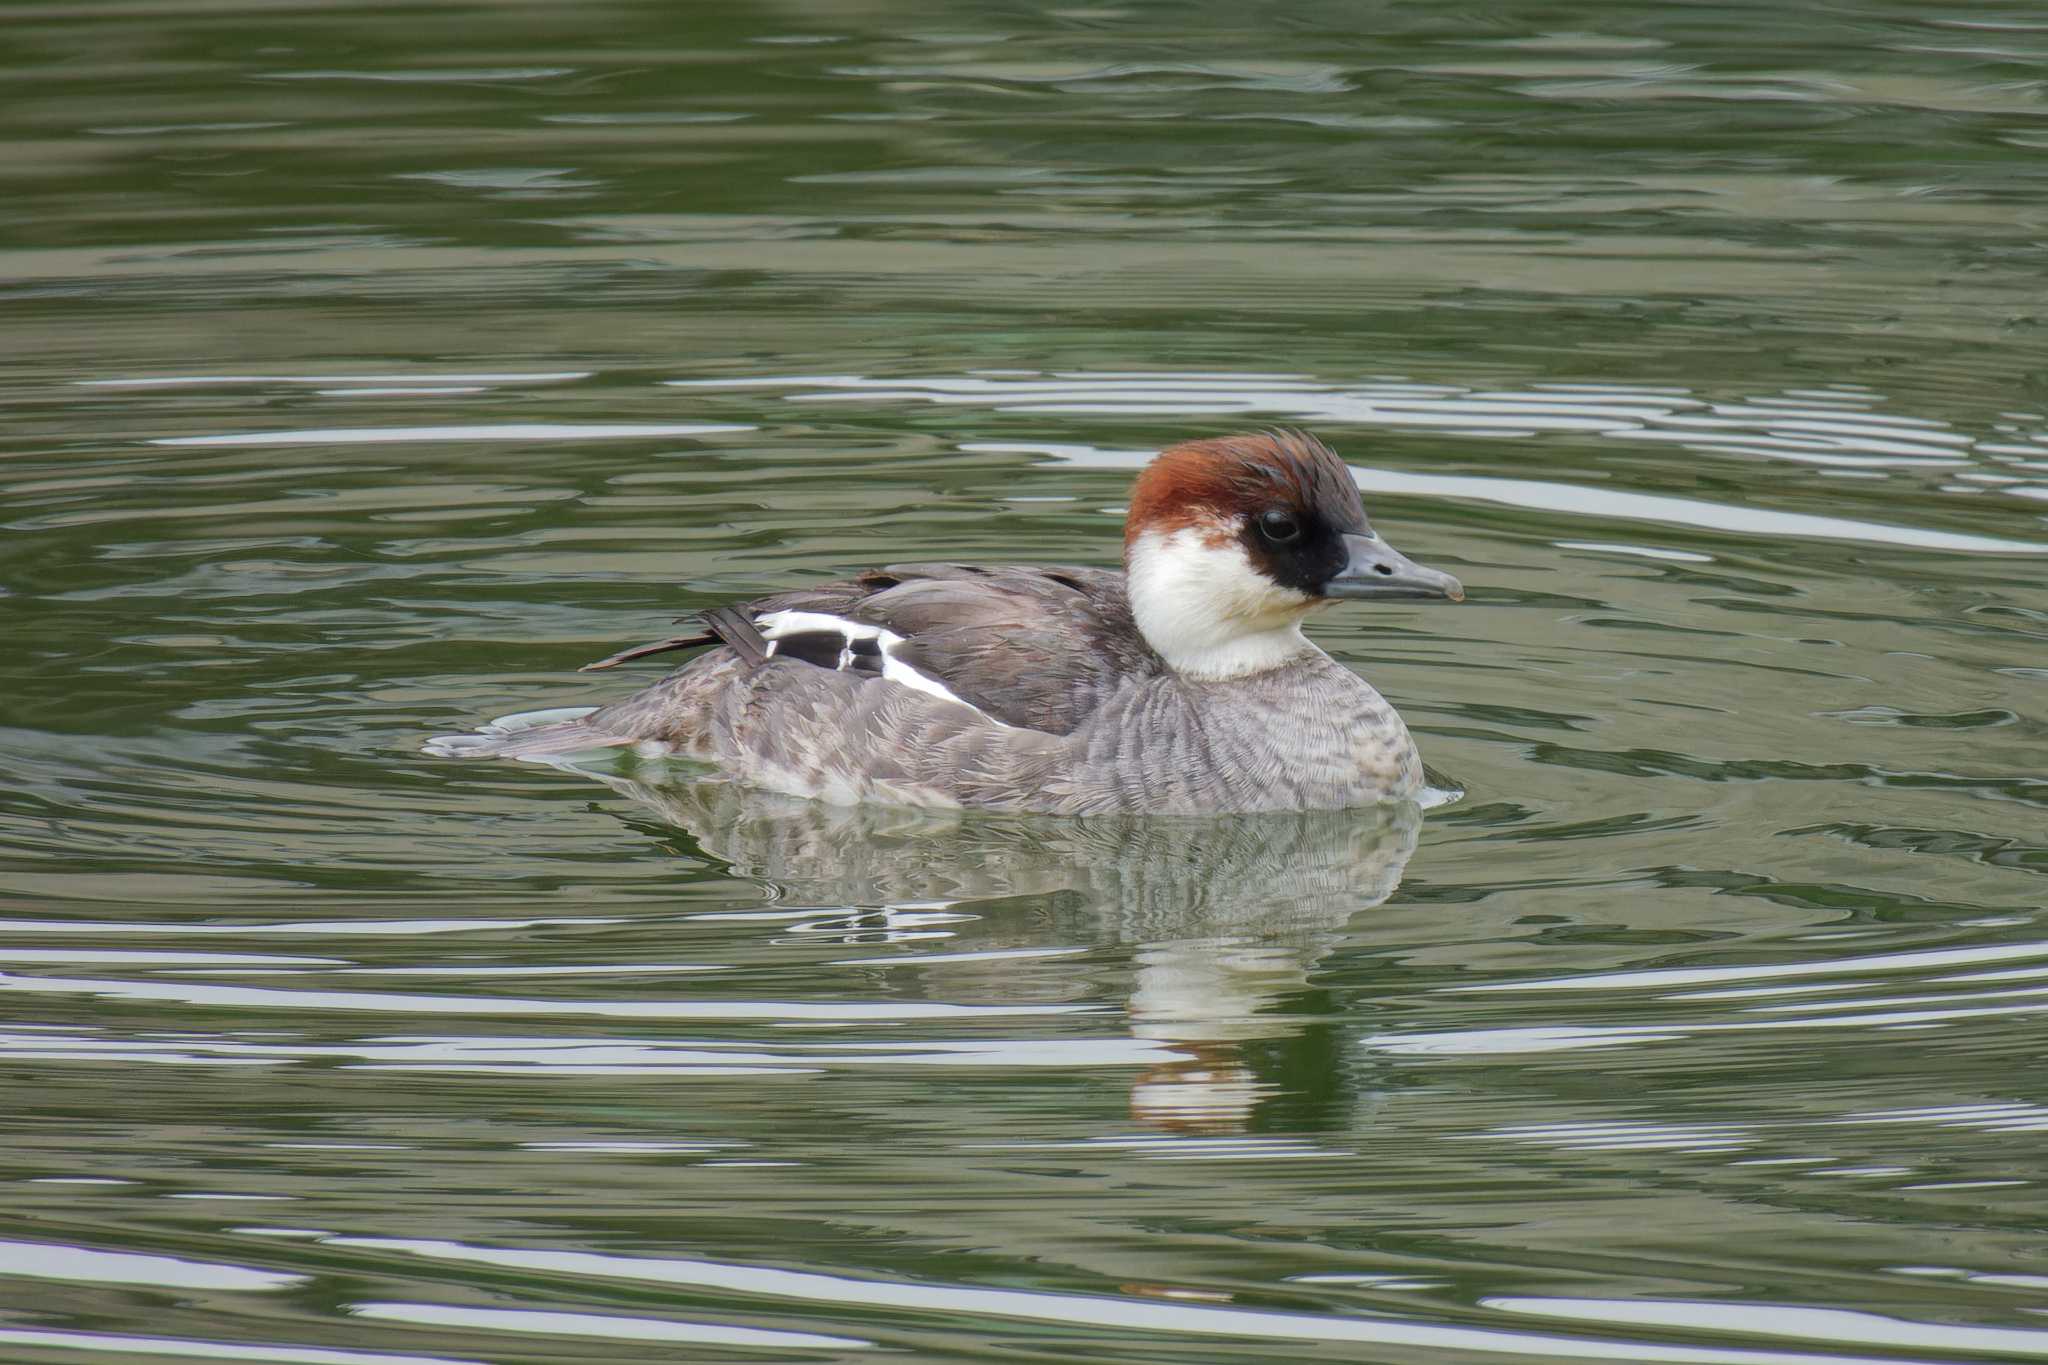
{"x":1610,"y":409}
{"x":490,"y":970}
{"x":1565,"y":1037}
{"x":400,"y":392}
{"x":1837,"y":431}
{"x":132,"y":957}
{"x":1579,"y":500}
{"x":503,"y":431}
{"x":599,"y":1325}
{"x":1622,"y":1136}
{"x":432,"y":77}
{"x":257,"y":997}
{"x":1829,"y":1325}
{"x":1079,"y":1309}
{"x":52,"y":1261}
{"x":202,"y":380}
{"x":374,"y":928}
{"x":597,"y":1056}
{"x":2013,"y":1117}
{"x":1942,"y":1272}
{"x":1180,"y":1148}
{"x":1865,"y":1012}
{"x":1692,"y":976}
{"x":184,"y":1349}
{"x":1895,"y":1001}
{"x":1645,"y":551}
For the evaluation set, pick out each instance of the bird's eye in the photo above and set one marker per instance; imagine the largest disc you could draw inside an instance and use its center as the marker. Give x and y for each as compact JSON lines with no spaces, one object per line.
{"x":1279,"y":528}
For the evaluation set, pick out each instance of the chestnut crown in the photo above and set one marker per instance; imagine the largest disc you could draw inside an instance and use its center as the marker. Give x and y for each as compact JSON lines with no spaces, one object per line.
{"x":1283,"y":497}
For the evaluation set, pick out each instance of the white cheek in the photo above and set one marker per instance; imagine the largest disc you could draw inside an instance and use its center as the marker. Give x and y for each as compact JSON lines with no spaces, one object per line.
{"x":1206,"y":571}
{"x":1207,"y":609}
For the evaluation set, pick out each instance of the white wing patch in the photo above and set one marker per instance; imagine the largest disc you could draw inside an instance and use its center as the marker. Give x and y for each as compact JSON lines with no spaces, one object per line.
{"x":776,"y":626}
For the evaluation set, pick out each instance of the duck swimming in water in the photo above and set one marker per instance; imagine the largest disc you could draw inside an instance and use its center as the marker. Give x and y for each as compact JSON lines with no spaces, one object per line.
{"x":1183,"y":685}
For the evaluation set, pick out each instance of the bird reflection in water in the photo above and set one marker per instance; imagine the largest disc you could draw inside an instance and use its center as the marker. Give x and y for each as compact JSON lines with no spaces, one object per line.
{"x":1225,"y":917}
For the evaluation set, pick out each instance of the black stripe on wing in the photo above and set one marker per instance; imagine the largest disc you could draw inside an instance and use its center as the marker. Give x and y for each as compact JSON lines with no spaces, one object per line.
{"x":841,"y":651}
{"x":851,"y":649}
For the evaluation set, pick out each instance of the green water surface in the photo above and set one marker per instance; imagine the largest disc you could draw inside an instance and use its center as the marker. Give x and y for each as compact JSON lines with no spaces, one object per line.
{"x":367,"y":368}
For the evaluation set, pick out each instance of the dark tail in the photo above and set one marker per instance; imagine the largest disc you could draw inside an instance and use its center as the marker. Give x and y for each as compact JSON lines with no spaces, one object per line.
{"x":626,"y":656}
{"x":723,"y":625}
{"x":737,"y":629}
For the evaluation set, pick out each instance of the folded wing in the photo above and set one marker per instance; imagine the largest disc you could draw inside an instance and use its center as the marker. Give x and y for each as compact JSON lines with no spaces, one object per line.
{"x":1038,"y":648}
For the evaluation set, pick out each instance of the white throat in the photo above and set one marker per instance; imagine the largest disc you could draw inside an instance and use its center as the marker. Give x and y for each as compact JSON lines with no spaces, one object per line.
{"x":1210,"y":614}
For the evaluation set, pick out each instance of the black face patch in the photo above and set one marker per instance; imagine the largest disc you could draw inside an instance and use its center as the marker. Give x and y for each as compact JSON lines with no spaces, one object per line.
{"x":1305,"y":560}
{"x":1292,"y":498}
{"x":1297,"y":501}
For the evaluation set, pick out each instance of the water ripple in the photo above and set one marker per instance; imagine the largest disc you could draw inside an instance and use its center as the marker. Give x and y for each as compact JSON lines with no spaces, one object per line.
{"x":1128,"y":1314}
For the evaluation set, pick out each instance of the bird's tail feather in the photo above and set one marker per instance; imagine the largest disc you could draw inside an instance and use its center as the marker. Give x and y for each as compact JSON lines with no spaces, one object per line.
{"x":534,"y":735}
